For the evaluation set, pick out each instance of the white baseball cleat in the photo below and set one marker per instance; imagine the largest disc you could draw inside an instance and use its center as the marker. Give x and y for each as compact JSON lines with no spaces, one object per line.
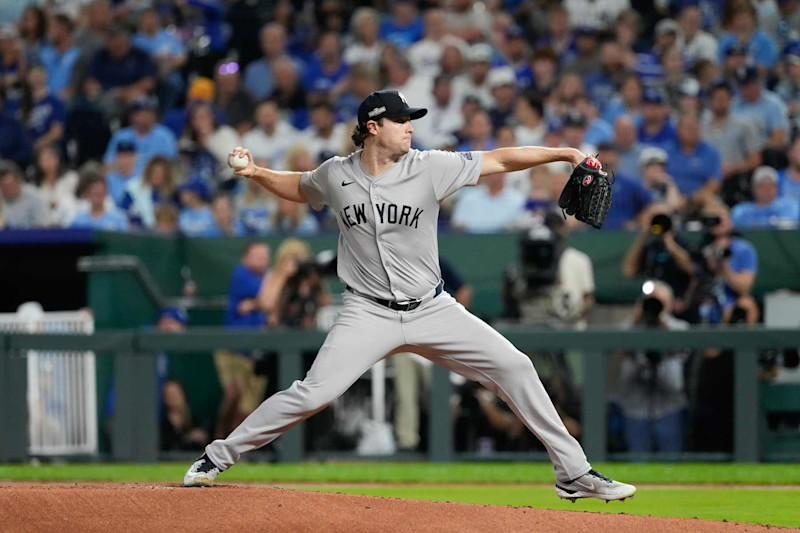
{"x":201,"y":474}
{"x":593,"y":484}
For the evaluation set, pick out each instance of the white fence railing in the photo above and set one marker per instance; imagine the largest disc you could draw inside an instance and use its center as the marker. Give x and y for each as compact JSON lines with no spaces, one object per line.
{"x":62,"y":396}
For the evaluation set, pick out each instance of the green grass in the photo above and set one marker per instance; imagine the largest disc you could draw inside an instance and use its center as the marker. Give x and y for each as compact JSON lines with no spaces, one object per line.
{"x":776,"y":507}
{"x":382,"y":472}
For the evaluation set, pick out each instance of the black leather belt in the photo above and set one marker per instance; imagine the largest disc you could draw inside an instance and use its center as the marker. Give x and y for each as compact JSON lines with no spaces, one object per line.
{"x":410,"y":305}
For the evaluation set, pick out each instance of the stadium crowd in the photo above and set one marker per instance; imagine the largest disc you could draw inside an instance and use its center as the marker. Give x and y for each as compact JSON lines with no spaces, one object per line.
{"x":118,"y":115}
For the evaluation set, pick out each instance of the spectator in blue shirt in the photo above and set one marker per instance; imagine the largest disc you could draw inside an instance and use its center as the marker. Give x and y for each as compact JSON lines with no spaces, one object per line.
{"x":196,"y":218}
{"x":60,"y":56}
{"x":99,"y":217}
{"x":488,"y":208}
{"x":405,"y":27}
{"x":766,"y":210}
{"x":14,"y":143}
{"x":656,"y":128}
{"x":631,"y":197}
{"x":45,"y":113}
{"x":629,"y":101}
{"x":226,"y":223}
{"x":167,"y":51}
{"x":760,"y":45}
{"x":694,"y":164}
{"x":122,"y":171}
{"x":119,"y":74}
{"x":763,"y":108}
{"x":789,"y":177}
{"x":149,"y":138}
{"x":258,"y":79}
{"x":327,"y":71}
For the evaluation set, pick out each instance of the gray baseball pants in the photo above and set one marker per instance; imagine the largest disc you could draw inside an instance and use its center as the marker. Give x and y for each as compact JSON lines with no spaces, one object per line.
{"x":441,"y":330}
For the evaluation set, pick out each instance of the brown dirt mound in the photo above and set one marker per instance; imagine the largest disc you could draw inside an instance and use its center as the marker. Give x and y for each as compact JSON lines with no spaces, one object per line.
{"x":231,"y":507}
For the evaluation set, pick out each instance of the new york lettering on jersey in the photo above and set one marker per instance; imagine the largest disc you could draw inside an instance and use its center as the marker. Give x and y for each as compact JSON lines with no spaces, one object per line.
{"x":406,"y":215}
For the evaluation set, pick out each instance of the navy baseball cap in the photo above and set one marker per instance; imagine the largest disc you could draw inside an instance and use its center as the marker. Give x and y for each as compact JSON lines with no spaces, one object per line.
{"x":387,"y":104}
{"x":126,"y":146}
{"x":175,"y":313}
{"x":652,"y":95}
{"x":747,"y":74}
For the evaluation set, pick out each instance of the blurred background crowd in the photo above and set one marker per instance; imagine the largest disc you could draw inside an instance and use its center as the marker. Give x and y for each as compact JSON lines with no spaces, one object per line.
{"x":119,"y":115}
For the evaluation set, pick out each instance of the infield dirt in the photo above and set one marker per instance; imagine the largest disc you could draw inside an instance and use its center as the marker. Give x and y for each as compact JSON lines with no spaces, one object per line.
{"x":234,"y":507}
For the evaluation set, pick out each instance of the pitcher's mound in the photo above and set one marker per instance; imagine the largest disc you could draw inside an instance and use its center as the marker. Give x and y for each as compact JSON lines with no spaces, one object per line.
{"x":118,"y":507}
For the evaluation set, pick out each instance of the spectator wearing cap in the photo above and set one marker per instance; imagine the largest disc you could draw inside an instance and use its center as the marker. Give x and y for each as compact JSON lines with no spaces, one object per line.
{"x":574,"y":131}
{"x":503,"y":84}
{"x":689,"y":97}
{"x":149,"y":138}
{"x":326,"y":75}
{"x":272,"y":136}
{"x":696,"y":44}
{"x":733,"y":136}
{"x":196,"y":218}
{"x":693,"y":163}
{"x":44,"y":113}
{"x":763,"y":108}
{"x":654,"y":176}
{"x":628,"y":102}
{"x":122,"y":171}
{"x":404,"y":26}
{"x":444,"y":118}
{"x":60,"y":56}
{"x":789,"y":177}
{"x":201,"y":89}
{"x":650,"y":66}
{"x":516,"y":53}
{"x":23,"y":206}
{"x":788,"y":88}
{"x":258,"y":79}
{"x":364,"y":44}
{"x":631,"y":197}
{"x":735,"y":58}
{"x":230,"y":98}
{"x":595,"y":15}
{"x":766,"y":210}
{"x":167,"y":51}
{"x":120,"y":74}
{"x":626,"y":141}
{"x":475,"y":83}
{"x":99,"y":216}
{"x":656,"y":127}
{"x":744,"y":31}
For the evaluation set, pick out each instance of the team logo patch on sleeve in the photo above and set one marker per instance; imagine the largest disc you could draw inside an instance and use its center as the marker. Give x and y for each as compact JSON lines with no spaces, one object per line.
{"x":466,"y":155}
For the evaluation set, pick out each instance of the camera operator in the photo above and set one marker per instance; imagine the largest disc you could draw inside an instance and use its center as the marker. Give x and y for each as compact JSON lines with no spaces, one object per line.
{"x":554,"y":283}
{"x":652,"y":397}
{"x":726,"y":266}
{"x":296,"y":288}
{"x":656,"y":253}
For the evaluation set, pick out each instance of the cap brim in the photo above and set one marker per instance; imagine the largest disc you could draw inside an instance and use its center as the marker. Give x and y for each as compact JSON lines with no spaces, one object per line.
{"x":413,"y":112}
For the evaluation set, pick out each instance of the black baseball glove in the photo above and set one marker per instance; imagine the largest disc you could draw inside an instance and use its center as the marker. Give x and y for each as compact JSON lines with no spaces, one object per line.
{"x":587,"y":194}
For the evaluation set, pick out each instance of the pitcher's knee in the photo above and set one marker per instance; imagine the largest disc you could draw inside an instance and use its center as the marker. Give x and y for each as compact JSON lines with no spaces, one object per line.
{"x":313,"y":399}
{"x":518,"y":367}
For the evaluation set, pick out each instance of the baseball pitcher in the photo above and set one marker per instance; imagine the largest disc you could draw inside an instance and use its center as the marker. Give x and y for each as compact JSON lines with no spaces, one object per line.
{"x":386,"y":199}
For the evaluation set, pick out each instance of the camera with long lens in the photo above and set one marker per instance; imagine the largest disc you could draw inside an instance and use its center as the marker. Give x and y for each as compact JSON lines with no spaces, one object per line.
{"x":539,"y":254}
{"x":651,"y":311}
{"x":660,"y":224}
{"x":322,"y":264}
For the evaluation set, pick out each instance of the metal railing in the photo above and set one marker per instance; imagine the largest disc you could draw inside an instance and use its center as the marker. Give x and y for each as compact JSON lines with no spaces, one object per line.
{"x":135,"y":424}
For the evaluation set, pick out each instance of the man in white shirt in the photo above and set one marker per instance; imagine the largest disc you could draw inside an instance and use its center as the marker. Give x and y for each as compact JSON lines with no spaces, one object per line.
{"x":444,"y":117}
{"x":272,"y":137}
{"x":426,"y":54}
{"x":694,"y":43}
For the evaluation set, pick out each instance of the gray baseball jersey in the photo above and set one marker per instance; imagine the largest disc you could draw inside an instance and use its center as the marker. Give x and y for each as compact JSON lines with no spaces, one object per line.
{"x":388,"y":249}
{"x":387,"y":244}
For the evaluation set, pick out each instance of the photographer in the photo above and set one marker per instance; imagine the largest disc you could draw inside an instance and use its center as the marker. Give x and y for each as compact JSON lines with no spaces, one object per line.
{"x":554,"y":284}
{"x":657,"y":254}
{"x":726,"y":266}
{"x":296,"y":288}
{"x":652,"y":397}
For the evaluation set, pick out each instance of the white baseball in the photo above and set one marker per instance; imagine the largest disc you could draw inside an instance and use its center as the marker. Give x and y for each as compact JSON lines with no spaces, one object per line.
{"x":238,"y":161}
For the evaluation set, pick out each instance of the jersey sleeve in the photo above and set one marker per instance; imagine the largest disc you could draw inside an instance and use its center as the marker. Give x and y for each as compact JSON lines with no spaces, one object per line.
{"x":314,"y":185}
{"x":449,"y":171}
